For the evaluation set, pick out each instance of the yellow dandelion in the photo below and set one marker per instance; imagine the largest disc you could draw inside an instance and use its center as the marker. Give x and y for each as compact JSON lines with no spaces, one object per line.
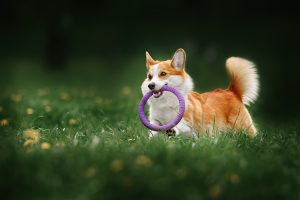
{"x":45,"y":146}
{"x":16,"y":98}
{"x":29,"y":111}
{"x":64,"y":96}
{"x":72,"y":121}
{"x":181,"y":173}
{"x":41,"y":92}
{"x":126,"y":91}
{"x":143,"y":161}
{"x":48,"y":108}
{"x":31,"y":134}
{"x":28,"y":143}
{"x":4,"y":122}
{"x":116,"y":165}
{"x":234,"y":178}
{"x":214,"y":191}
{"x":90,"y":172}
{"x":98,"y":100}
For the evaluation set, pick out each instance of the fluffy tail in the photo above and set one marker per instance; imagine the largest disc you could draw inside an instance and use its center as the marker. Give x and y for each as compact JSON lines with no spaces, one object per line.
{"x":243,"y":79}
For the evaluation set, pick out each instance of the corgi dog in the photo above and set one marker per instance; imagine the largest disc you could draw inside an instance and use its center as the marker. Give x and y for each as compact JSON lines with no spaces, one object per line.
{"x":215,"y":111}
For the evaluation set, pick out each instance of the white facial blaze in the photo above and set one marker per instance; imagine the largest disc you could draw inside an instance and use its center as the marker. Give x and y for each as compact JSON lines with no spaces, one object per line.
{"x":183,"y":85}
{"x":154,"y":71}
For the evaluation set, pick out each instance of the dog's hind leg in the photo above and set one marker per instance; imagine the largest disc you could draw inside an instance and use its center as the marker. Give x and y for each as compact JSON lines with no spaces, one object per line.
{"x":252,"y":131}
{"x":243,"y":121}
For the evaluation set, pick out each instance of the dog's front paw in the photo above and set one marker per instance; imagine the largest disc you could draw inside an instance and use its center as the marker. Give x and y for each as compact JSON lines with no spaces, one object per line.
{"x":171,"y":132}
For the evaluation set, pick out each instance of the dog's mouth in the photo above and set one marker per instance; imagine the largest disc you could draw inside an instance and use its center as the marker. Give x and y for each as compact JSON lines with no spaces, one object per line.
{"x":157,"y":94}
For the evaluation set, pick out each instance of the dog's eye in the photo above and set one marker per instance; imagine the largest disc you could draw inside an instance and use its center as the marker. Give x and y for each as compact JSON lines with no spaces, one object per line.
{"x":150,"y":76}
{"x":163,"y":74}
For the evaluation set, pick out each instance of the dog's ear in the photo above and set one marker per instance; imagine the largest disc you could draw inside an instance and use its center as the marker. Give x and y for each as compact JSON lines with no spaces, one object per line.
{"x":178,"y":61}
{"x":149,"y":60}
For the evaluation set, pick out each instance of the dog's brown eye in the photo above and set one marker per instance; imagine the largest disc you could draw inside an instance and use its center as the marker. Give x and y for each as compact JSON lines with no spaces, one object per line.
{"x":163,"y":74}
{"x":150,"y":76}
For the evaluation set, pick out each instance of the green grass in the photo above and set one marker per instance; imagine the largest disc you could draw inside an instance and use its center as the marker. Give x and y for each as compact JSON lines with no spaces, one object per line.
{"x":99,"y":150}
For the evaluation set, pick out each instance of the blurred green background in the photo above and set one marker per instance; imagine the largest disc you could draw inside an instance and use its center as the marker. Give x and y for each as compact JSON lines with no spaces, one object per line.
{"x":70,"y":84}
{"x":101,"y":44}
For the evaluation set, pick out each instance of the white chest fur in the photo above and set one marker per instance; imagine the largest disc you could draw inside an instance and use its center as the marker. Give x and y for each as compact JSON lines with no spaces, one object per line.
{"x":164,"y":109}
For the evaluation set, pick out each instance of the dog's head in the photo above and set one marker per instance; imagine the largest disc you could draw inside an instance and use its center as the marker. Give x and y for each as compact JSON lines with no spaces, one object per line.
{"x":169,"y":72}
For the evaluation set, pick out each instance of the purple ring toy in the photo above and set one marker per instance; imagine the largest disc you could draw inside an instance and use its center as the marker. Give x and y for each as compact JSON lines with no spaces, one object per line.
{"x":169,"y":125}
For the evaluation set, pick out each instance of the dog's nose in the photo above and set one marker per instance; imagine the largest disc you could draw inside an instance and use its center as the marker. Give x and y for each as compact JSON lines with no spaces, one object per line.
{"x":151,"y":86}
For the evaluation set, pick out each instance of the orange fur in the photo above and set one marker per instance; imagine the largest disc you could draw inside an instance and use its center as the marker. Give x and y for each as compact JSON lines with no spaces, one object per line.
{"x":217,"y":110}
{"x":165,"y":66}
